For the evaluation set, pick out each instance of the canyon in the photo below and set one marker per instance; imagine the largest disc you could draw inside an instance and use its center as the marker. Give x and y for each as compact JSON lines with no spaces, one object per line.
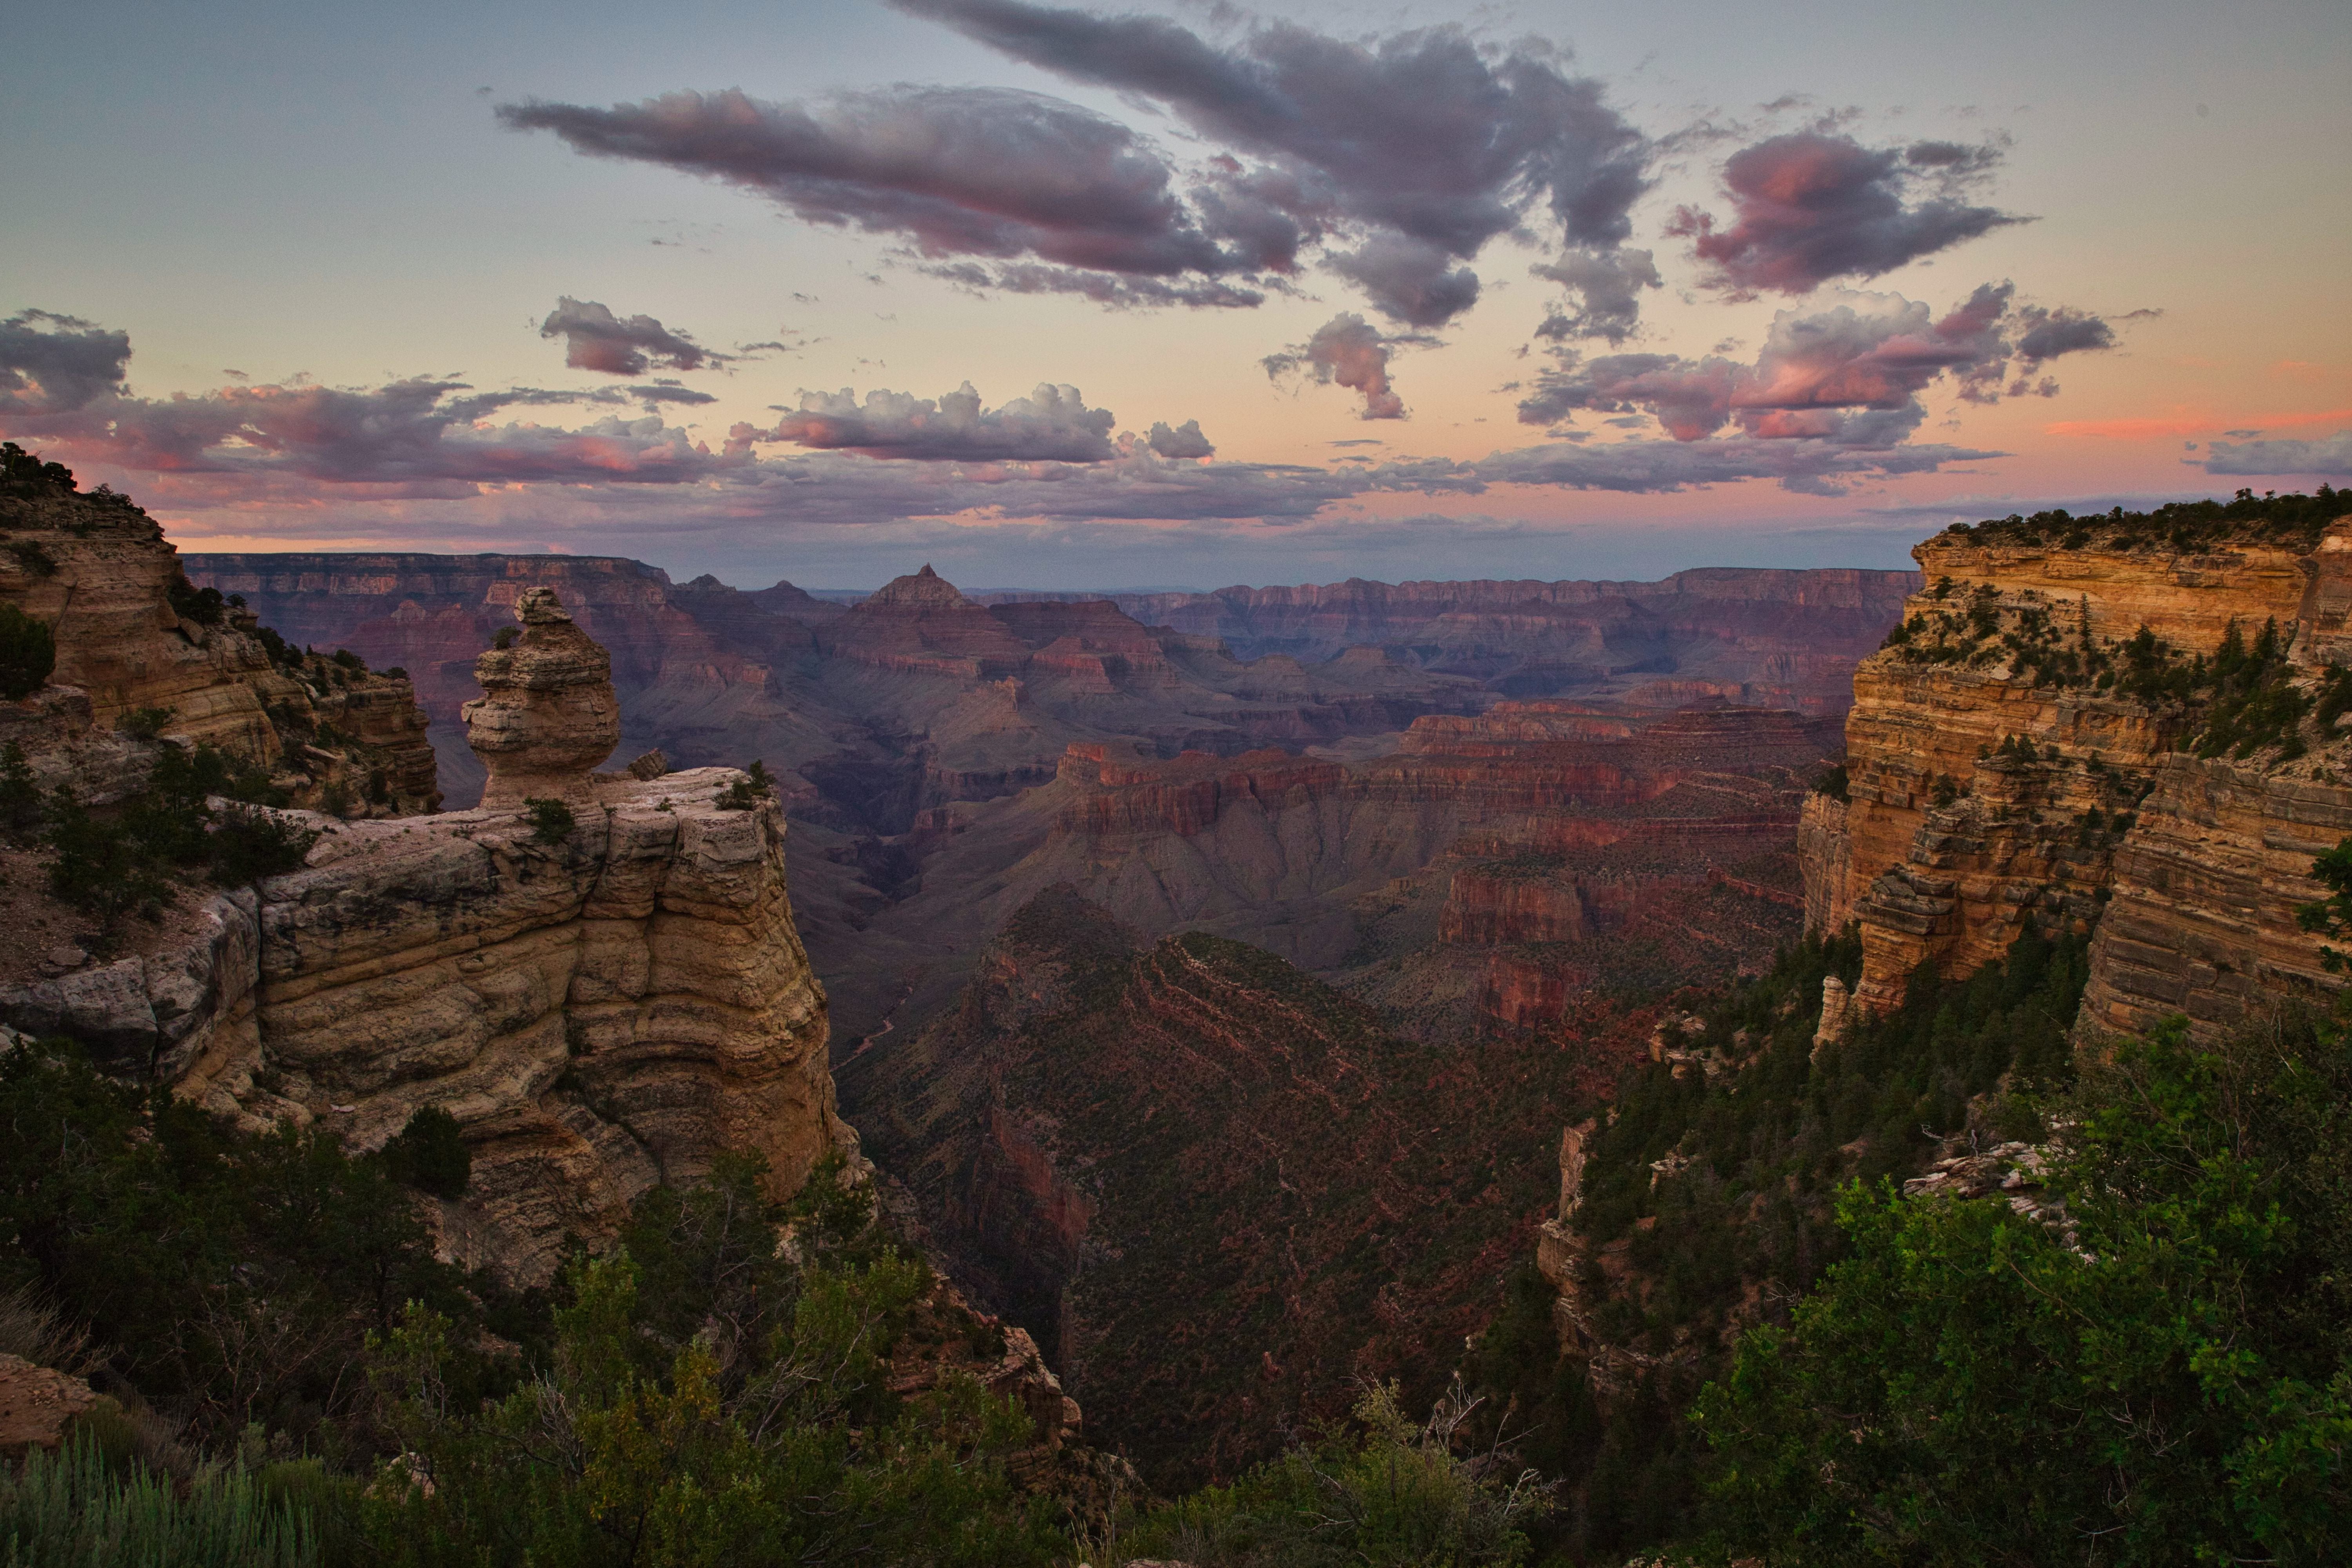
{"x":932,"y":746}
{"x":1220,"y":1193}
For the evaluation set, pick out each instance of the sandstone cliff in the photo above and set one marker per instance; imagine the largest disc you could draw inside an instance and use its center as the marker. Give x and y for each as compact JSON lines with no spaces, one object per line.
{"x":143,"y":655}
{"x":2088,"y":715}
{"x":601,"y":1006}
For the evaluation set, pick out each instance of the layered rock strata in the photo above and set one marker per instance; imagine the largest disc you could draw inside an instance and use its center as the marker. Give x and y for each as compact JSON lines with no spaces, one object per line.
{"x":140,"y":655}
{"x":601,"y":1007}
{"x":1985,"y":795}
{"x":548,"y":713}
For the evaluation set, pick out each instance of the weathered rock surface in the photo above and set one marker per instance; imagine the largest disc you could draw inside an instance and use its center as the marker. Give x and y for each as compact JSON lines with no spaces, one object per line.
{"x":37,"y":1407}
{"x":1983,"y":799}
{"x":100,"y":572}
{"x":547,"y":713}
{"x":599,"y":1014}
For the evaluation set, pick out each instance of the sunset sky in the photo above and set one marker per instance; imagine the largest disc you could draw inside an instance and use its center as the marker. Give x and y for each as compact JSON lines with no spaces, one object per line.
{"x":1514,"y":290}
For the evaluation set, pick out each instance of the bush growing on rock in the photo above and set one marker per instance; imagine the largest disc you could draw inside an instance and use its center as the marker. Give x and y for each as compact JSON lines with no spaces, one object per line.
{"x":430,"y":1153}
{"x":28,"y":653}
{"x":552,"y":821}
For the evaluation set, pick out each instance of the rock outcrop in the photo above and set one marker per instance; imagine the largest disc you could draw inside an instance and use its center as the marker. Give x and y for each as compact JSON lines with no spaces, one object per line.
{"x":37,"y":1407}
{"x":143,"y":656}
{"x":1995,"y":784}
{"x":548,"y":713}
{"x":601,"y":1007}
{"x":599,"y":1013}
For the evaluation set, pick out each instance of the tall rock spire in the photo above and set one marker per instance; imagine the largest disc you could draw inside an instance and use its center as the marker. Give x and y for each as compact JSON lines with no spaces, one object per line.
{"x":547,"y":714}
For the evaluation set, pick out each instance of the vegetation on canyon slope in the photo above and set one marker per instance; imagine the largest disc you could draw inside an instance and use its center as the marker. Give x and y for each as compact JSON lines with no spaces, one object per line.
{"x":2150,"y":1362}
{"x":2293,"y":522}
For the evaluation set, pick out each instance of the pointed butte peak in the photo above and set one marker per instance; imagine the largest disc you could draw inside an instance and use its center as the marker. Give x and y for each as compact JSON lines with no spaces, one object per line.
{"x":924,"y":588}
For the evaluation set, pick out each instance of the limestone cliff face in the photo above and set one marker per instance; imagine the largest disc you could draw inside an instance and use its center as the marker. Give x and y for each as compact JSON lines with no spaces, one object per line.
{"x":136,"y":646}
{"x":1993,"y":784}
{"x":599,"y":1014}
{"x":601,"y":1009}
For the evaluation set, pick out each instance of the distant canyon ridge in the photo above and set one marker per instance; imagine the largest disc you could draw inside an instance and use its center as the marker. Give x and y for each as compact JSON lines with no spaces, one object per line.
{"x":1382,"y":783}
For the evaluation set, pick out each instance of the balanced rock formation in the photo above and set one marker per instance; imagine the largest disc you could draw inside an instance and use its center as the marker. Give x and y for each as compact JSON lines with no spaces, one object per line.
{"x":547,"y":714}
{"x":601,"y":1009}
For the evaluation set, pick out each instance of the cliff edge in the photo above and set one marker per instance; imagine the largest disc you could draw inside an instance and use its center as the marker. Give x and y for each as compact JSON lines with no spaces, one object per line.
{"x":2129,"y":722}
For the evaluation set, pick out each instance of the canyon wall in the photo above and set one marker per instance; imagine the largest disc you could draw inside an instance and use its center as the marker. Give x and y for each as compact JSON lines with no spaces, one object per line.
{"x":142,"y":656}
{"x":602,"y":1003}
{"x":2051,"y":739}
{"x":1777,"y":638}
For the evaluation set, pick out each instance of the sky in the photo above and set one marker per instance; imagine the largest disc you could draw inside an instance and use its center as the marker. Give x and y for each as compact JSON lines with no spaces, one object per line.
{"x":1083,"y":296}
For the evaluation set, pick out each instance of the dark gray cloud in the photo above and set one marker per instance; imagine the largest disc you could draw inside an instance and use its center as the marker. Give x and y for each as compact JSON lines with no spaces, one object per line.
{"x":1184,"y":440}
{"x":1052,"y":424}
{"x":596,"y":339}
{"x":1399,"y":158}
{"x":53,"y":363}
{"x":1102,"y":288}
{"x":1409,"y":279}
{"x":1607,"y":288}
{"x":2049,"y":333}
{"x":1351,"y":350}
{"x":1851,"y":374}
{"x":2329,"y":455}
{"x":1814,"y":206}
{"x":955,"y":172}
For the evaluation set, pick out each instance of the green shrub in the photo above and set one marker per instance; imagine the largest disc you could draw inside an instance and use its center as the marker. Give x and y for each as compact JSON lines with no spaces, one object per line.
{"x":1832,"y":782}
{"x":430,"y":1153}
{"x":73,"y":1508}
{"x":248,"y":844}
{"x":21,"y":805}
{"x":552,"y":821}
{"x":504,"y":637}
{"x":2162,"y":1376}
{"x":145,"y":724}
{"x":28,"y":653}
{"x":203,"y":606}
{"x":748,"y":792}
{"x":32,"y":559}
{"x":1395,"y":1496}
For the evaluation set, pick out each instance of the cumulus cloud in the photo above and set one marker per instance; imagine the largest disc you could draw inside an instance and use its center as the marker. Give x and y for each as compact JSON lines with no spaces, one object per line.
{"x":1351,"y":350}
{"x":1183,"y":441}
{"x":596,"y":339}
{"x":1412,"y":281}
{"x":1607,"y":287}
{"x":53,"y":363}
{"x":1399,"y":158}
{"x":1814,"y":206}
{"x":2049,"y":333}
{"x":1851,"y":374}
{"x":2331,"y":456}
{"x":1052,"y":424}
